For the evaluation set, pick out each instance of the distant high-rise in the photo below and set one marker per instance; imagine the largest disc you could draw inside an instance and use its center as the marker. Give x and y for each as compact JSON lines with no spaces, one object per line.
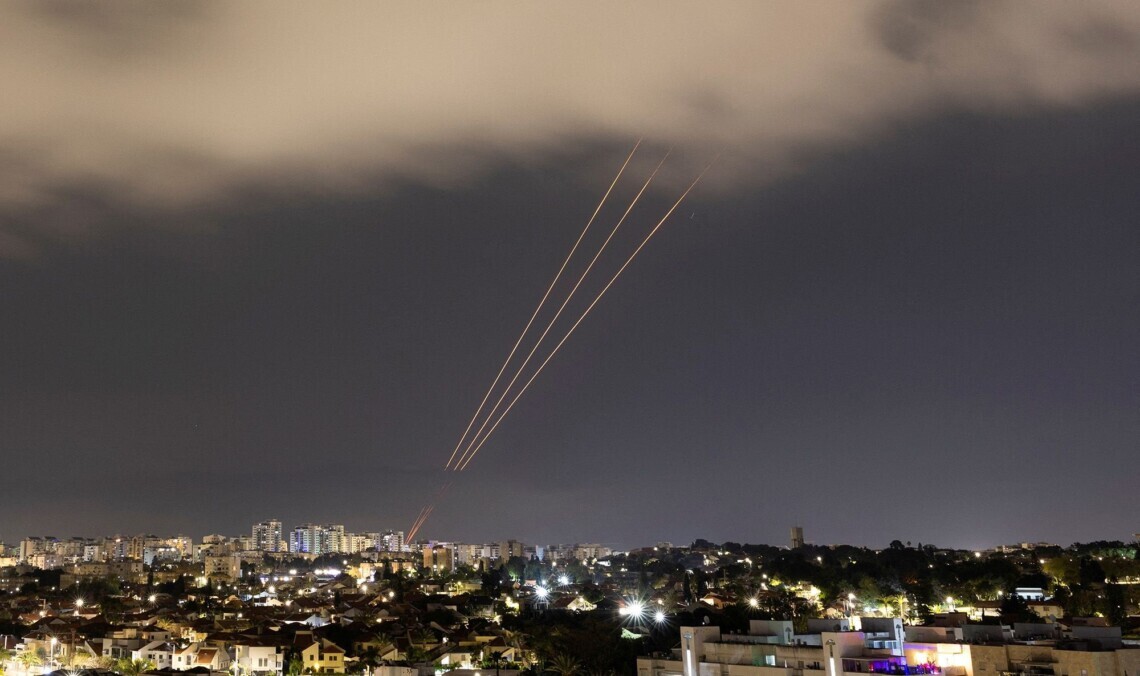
{"x":797,"y":537}
{"x":391,"y":541}
{"x":307,"y":539}
{"x":267,"y":536}
{"x":335,"y":539}
{"x":509,"y":549}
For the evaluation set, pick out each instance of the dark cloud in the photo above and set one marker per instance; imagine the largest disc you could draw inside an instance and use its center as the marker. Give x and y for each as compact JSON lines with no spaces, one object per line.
{"x":132,"y":29}
{"x":911,"y":30}
{"x":170,"y":106}
{"x":1104,"y":36}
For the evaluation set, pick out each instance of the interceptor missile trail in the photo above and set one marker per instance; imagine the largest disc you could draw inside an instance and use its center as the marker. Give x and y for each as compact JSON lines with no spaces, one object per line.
{"x":581,"y":278}
{"x":541,"y":303}
{"x":427,"y":510}
{"x":424,"y":513}
{"x":416,"y":523}
{"x":606,"y":288}
{"x":420,"y":521}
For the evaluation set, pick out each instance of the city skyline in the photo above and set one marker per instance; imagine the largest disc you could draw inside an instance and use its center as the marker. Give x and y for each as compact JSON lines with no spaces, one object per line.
{"x":300,"y":538}
{"x":243,"y":277}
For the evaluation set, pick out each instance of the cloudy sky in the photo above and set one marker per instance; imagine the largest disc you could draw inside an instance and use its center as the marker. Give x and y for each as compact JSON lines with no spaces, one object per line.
{"x":263,"y":260}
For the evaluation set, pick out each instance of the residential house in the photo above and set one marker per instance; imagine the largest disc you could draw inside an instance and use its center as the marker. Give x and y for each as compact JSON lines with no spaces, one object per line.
{"x":319,"y":654}
{"x":200,"y":655}
{"x":160,"y":653}
{"x":258,"y":656}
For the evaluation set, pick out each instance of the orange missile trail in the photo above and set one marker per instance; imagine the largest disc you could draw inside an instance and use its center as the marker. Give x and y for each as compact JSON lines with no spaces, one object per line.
{"x":584,"y":313}
{"x":427,"y":510}
{"x":565,"y":302}
{"x":541,"y":303}
{"x":420,"y":521}
{"x":416,"y":523}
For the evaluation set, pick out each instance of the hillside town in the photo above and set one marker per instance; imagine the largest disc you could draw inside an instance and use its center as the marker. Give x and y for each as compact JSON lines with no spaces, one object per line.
{"x":319,"y":600}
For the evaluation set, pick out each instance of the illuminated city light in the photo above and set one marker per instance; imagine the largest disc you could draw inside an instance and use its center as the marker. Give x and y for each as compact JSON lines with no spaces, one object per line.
{"x":634,"y":609}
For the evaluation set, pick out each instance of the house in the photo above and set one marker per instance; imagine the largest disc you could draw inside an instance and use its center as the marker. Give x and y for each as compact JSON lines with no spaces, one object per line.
{"x":200,"y":655}
{"x":160,"y":653}
{"x":258,"y":656}
{"x":320,"y":655}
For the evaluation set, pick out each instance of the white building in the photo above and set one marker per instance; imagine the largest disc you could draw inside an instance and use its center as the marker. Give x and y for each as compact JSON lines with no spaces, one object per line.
{"x":267,"y":536}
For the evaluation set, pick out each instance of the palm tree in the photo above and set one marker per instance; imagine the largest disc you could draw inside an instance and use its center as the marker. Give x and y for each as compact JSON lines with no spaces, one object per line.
{"x":369,"y":658}
{"x":516,"y":640}
{"x":129,"y":667}
{"x":495,"y":659}
{"x":383,"y":644}
{"x":31,"y":658}
{"x":564,"y":665}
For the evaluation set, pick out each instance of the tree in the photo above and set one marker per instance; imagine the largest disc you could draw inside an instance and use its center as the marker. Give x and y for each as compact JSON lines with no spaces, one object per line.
{"x":1016,"y":609}
{"x":517,"y":641}
{"x":1115,"y":604}
{"x":564,"y":665}
{"x":32,"y":658}
{"x":129,"y":667}
{"x":493,"y":660}
{"x":370,"y":657}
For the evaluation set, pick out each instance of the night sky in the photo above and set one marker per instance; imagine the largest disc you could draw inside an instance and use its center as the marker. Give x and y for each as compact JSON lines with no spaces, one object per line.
{"x":264,"y":262}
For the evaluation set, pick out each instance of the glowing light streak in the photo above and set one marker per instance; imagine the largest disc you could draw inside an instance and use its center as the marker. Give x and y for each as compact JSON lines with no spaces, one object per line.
{"x":426,"y":511}
{"x":586,"y":312}
{"x":420,"y":521}
{"x":565,"y":302}
{"x":542,"y":302}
